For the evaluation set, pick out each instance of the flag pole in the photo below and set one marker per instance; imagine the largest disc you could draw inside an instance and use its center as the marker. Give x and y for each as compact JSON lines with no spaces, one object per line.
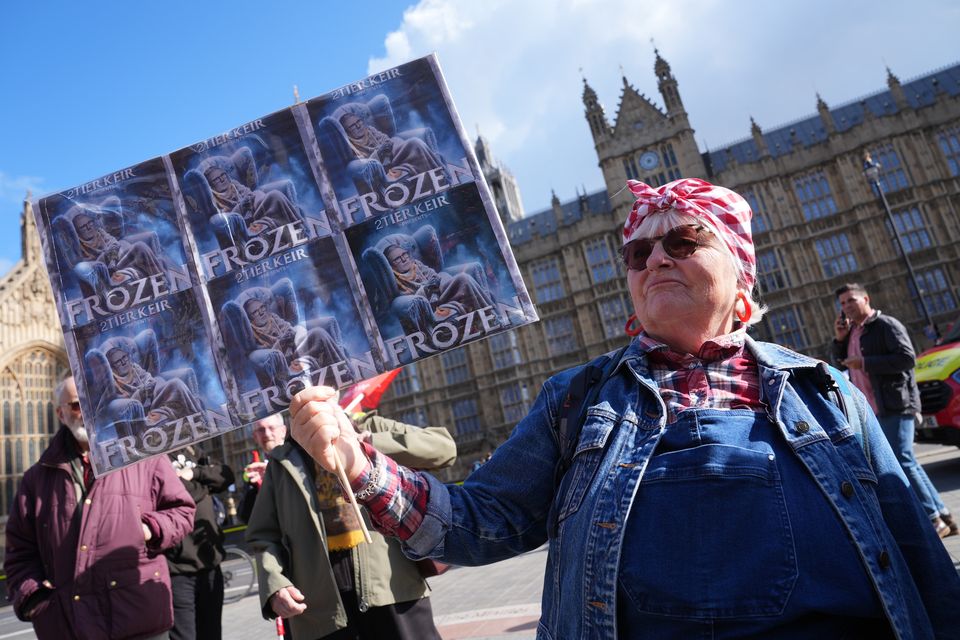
{"x":345,"y":482}
{"x":353,"y":403}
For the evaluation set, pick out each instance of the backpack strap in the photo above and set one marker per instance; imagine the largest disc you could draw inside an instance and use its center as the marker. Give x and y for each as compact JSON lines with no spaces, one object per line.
{"x":835,"y":386}
{"x":581,"y":394}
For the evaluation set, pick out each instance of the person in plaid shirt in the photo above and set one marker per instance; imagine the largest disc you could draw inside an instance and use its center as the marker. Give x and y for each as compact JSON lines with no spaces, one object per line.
{"x":715,"y":489}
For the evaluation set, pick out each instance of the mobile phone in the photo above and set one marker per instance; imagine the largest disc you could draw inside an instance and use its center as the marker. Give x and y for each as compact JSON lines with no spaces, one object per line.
{"x":843,"y":316}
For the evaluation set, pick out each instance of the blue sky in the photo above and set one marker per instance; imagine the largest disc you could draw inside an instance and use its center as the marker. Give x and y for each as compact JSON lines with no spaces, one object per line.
{"x":92,"y":87}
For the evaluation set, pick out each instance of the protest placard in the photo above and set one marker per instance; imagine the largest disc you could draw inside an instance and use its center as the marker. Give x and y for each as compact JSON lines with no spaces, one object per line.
{"x":321,"y":244}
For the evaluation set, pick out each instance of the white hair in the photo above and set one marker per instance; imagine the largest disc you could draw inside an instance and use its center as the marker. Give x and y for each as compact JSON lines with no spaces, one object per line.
{"x":655,"y":225}
{"x":272,"y":420}
{"x":58,"y":390}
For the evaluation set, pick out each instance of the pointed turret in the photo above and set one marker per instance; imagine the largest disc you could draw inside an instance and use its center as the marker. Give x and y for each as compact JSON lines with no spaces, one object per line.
{"x":896,"y":90}
{"x":29,"y":237}
{"x":668,"y":87}
{"x":482,"y":148}
{"x":758,"y":139}
{"x":503,"y":185}
{"x":557,"y":209}
{"x":825,"y":116}
{"x":582,"y":200}
{"x":594,"y":113}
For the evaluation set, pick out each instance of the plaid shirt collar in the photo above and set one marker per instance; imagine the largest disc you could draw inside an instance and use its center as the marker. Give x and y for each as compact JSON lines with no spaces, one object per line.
{"x":714,"y":350}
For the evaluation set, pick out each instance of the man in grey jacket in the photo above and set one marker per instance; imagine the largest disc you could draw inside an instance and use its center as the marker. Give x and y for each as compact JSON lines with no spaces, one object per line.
{"x":314,"y":568}
{"x":877,"y":352}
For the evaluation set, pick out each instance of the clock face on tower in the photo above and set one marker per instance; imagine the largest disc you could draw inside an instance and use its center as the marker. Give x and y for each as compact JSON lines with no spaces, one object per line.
{"x":649,"y":160}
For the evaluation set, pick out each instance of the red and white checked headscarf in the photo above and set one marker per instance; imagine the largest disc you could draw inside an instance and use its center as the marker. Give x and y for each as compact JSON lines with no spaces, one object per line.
{"x":726,"y":213}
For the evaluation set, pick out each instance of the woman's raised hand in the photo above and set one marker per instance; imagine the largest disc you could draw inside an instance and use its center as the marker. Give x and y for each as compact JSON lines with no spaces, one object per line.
{"x":320,"y":425}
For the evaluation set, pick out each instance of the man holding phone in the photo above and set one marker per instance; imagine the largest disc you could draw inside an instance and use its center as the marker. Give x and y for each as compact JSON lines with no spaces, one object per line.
{"x":876,"y":351}
{"x":268,"y":433}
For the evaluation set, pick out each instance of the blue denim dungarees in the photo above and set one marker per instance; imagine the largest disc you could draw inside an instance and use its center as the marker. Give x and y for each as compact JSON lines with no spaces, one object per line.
{"x":738,"y":578}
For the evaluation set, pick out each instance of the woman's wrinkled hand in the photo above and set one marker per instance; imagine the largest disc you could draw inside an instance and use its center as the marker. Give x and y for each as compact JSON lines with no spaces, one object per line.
{"x":320,"y":426}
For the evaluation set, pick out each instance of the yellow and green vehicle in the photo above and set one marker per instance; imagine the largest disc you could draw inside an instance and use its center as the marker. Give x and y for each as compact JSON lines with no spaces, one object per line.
{"x":938,"y":376}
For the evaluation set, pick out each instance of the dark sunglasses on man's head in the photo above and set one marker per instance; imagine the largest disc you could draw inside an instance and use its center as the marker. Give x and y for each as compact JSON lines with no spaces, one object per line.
{"x":678,"y":243}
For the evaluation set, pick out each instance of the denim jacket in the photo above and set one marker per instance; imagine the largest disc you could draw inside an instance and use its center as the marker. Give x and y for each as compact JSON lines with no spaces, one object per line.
{"x":504,"y":507}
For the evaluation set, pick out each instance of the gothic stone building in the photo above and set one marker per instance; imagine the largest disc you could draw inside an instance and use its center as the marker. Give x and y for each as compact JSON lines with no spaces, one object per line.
{"x":32,"y":359}
{"x":817,"y":225}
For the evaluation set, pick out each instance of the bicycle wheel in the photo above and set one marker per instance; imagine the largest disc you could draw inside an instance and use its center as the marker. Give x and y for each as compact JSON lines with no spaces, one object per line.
{"x":239,"y":574}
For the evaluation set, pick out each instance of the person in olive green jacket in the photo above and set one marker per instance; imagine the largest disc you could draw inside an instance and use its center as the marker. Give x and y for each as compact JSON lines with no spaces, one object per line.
{"x":314,"y":569}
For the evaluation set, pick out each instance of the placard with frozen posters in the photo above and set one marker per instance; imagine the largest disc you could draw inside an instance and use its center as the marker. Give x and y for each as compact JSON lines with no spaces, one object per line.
{"x":249,"y":193}
{"x":436,"y":277}
{"x":112,"y":244}
{"x":289,"y":326}
{"x":390,"y":139}
{"x":201,"y":290}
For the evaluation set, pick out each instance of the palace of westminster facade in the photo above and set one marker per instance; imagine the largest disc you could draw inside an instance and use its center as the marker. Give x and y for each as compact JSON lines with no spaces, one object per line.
{"x":817,"y":224}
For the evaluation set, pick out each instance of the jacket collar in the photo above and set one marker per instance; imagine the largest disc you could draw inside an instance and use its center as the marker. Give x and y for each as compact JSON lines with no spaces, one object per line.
{"x":292,"y":457}
{"x":773,"y":356}
{"x":769,"y":355}
{"x":295,"y":461}
{"x":870,"y":318}
{"x":61,"y":450}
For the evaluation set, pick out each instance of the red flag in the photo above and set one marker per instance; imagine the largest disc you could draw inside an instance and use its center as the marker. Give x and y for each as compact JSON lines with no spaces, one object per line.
{"x":369,"y":390}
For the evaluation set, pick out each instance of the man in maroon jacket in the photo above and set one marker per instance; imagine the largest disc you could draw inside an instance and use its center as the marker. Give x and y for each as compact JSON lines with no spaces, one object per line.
{"x":84,"y":556}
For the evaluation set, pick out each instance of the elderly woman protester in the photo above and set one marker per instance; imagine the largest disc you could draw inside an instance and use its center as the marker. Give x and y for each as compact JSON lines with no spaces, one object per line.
{"x":716,"y":490}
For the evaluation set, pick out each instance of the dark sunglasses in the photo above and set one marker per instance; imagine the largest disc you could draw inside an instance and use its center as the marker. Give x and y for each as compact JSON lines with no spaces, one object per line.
{"x":678,"y":243}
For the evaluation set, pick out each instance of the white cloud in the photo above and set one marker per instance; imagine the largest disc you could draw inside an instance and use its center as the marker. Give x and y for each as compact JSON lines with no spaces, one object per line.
{"x":514,"y":69}
{"x":14,"y":188}
{"x":430,"y":24}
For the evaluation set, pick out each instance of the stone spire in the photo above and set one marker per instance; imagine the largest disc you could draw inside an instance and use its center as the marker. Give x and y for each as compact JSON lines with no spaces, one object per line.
{"x":502,"y":182}
{"x":482,"y":149}
{"x":593,"y":111}
{"x":668,"y":87}
{"x":896,"y":90}
{"x":29,"y":237}
{"x":758,"y":139}
{"x":825,"y":116}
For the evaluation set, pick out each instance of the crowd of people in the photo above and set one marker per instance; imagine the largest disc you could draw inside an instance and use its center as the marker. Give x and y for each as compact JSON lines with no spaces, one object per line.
{"x":695,"y":483}
{"x":136,"y":553}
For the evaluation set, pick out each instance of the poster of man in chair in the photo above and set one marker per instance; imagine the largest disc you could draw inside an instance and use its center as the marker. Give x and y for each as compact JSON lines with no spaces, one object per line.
{"x":389,"y":140}
{"x":291,"y":327}
{"x":434,"y":275}
{"x":250,"y":193}
{"x":113,"y":243}
{"x":150,"y":384}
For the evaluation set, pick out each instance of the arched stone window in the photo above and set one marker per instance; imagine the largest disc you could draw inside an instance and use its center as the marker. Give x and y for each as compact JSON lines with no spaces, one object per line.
{"x":26,"y":388}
